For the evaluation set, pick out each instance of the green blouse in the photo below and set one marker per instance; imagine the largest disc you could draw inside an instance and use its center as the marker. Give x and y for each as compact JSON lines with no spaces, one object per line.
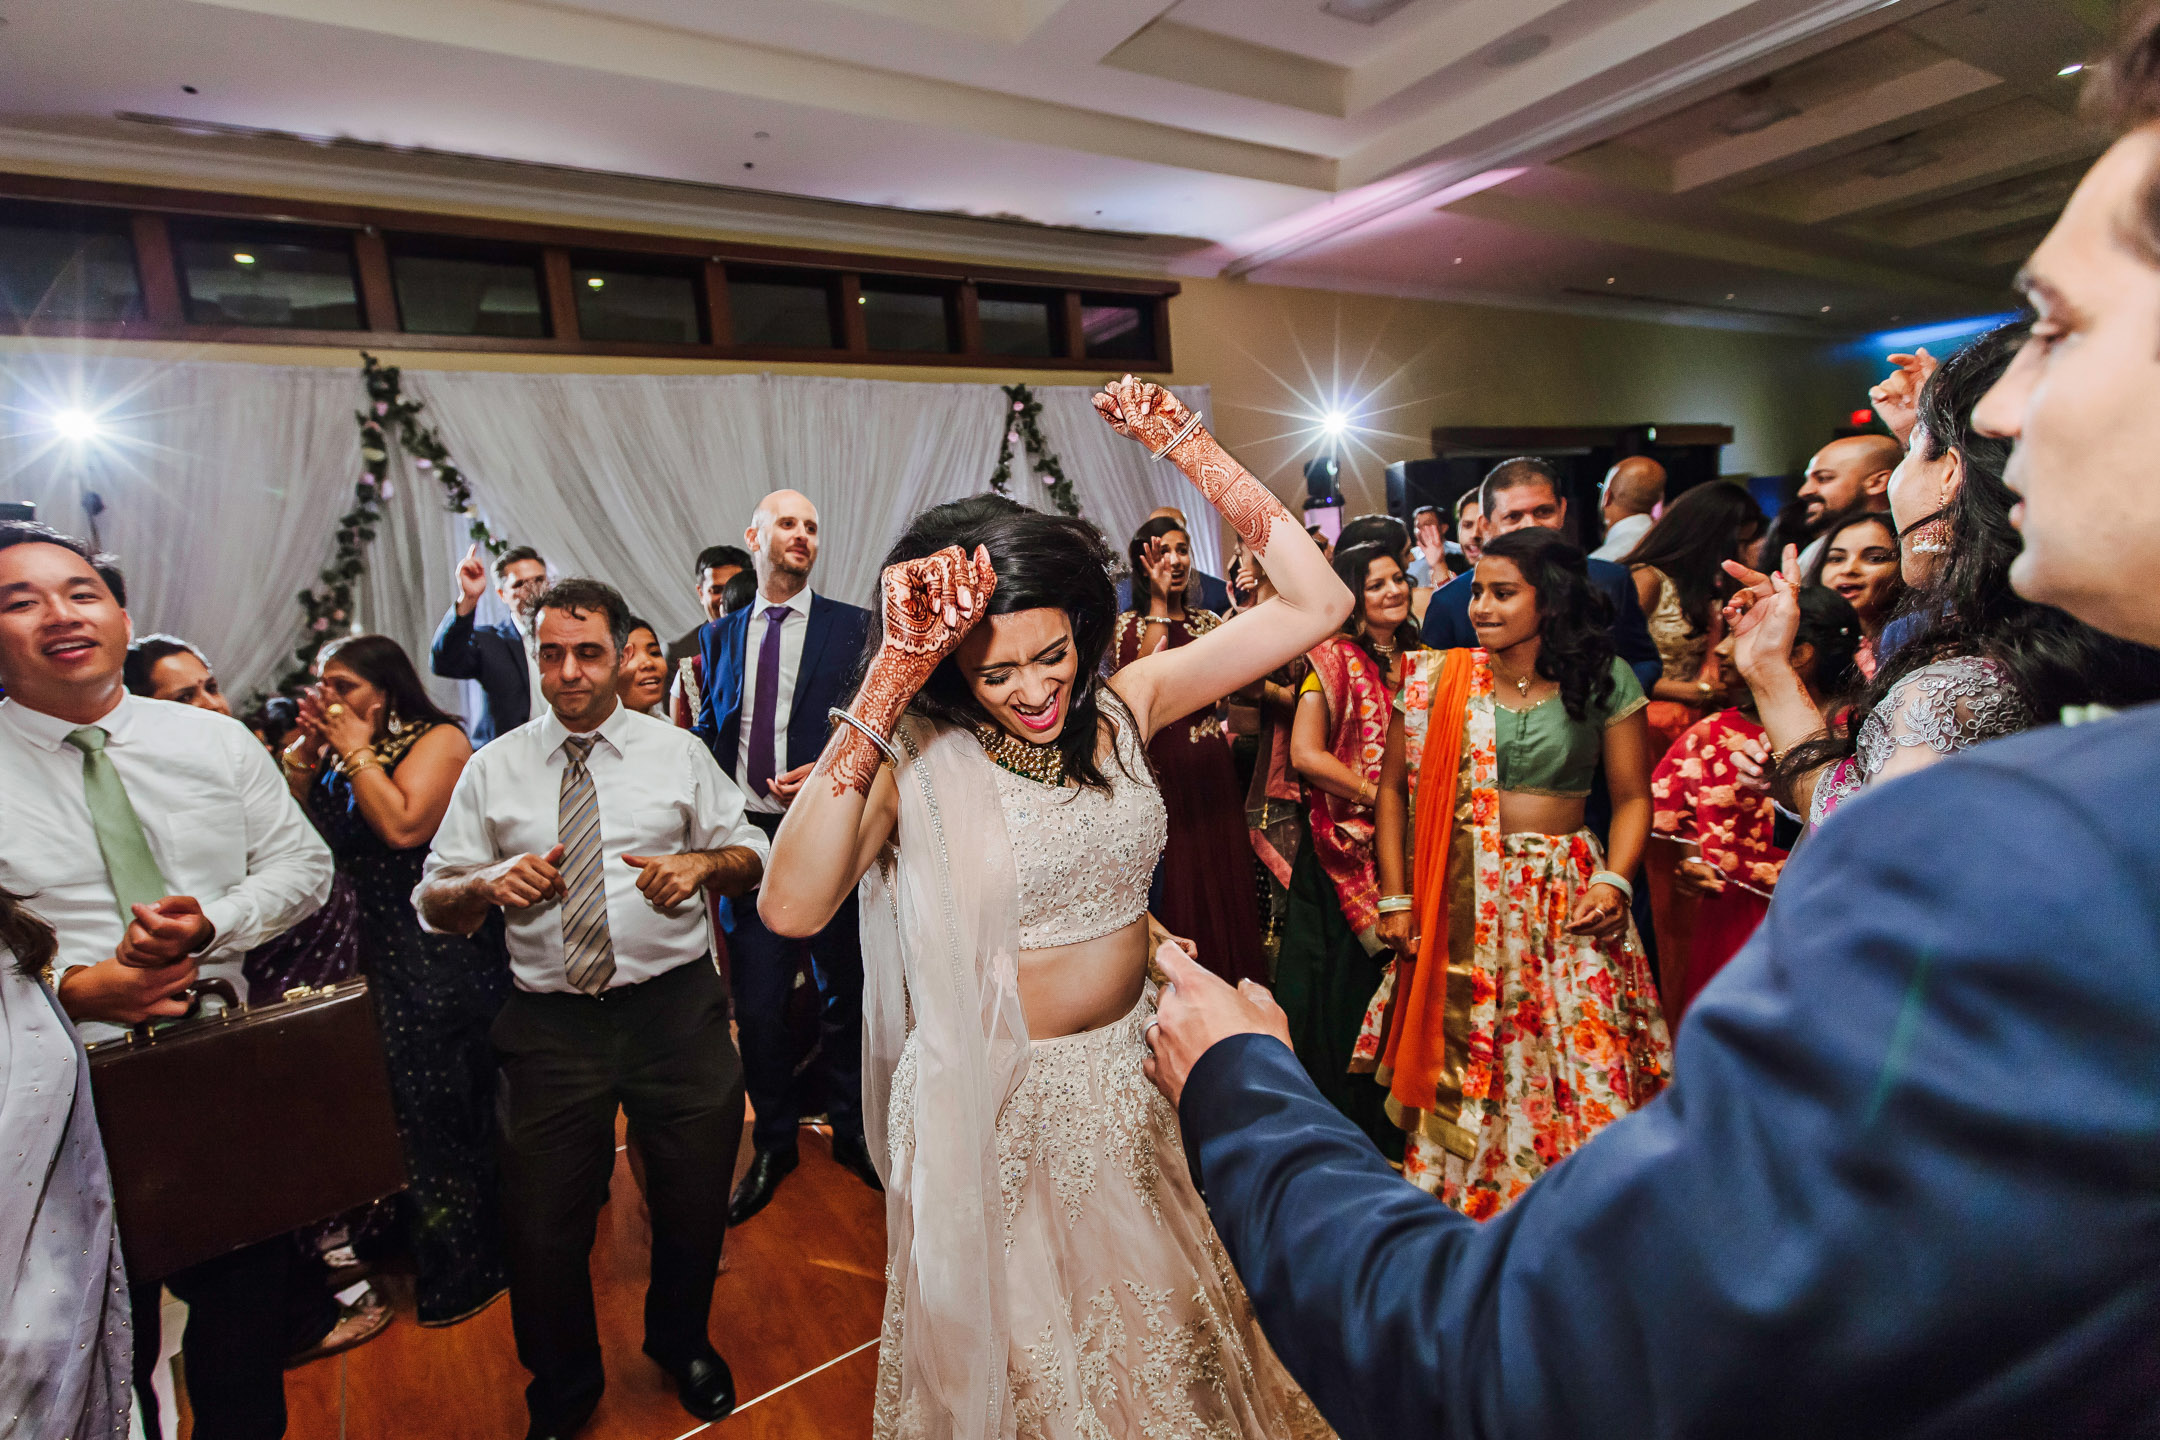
{"x":1543,"y":752}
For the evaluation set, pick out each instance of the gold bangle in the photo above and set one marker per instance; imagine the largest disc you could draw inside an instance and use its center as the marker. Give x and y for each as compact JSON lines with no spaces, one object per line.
{"x":363,"y":757}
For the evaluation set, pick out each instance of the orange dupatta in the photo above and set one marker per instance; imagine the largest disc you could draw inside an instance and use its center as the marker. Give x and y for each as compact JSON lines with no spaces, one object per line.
{"x":1424,"y":1080}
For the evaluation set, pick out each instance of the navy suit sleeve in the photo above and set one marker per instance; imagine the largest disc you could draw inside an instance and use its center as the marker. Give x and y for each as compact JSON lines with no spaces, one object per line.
{"x":455,"y":654}
{"x":1447,"y":617}
{"x":707,"y":725}
{"x":1631,"y":632}
{"x":1904,"y":1182}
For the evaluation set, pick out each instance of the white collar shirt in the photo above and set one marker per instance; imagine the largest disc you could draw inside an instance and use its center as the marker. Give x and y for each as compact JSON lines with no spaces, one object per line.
{"x":535,"y":703}
{"x":794,"y":629}
{"x":1625,"y":534}
{"x":660,"y":793}
{"x":219,"y":821}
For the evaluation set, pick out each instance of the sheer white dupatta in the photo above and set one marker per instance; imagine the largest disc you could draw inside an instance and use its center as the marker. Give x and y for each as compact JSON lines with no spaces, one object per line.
{"x":940,"y":936}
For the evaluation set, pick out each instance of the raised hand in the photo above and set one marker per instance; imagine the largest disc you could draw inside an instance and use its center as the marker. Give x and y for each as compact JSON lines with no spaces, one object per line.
{"x":472,"y":579}
{"x":1755,"y":585}
{"x":929,"y":605}
{"x":1142,"y":410}
{"x":1763,"y":637}
{"x":1897,"y":399}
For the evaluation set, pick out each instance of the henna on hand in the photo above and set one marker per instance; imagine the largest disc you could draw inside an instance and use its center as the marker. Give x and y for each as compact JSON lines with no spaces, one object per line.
{"x":1143,"y":411}
{"x":930,"y":605}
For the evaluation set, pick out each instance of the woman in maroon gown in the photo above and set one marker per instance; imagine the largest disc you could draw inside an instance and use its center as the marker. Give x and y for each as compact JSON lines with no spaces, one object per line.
{"x":1207,"y":886}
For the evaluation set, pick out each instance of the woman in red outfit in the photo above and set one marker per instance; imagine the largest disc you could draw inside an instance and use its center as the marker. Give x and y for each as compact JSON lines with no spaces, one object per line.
{"x":1206,"y":892}
{"x":1729,"y":864}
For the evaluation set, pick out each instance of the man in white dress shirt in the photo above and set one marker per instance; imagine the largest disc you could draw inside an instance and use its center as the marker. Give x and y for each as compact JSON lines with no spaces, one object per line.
{"x":596,"y":829}
{"x":161,"y":844}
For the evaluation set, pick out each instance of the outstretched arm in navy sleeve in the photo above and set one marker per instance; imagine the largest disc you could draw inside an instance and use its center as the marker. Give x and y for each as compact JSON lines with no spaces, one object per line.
{"x":1905,"y":1179}
{"x":455,"y":655}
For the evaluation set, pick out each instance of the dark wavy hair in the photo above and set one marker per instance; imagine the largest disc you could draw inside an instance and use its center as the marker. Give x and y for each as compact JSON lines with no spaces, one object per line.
{"x":27,"y":934}
{"x":1844,"y":520}
{"x":1043,"y":562}
{"x":1968,"y":608}
{"x":1575,"y":644}
{"x":1353,"y":566}
{"x":1829,"y":625}
{"x":1690,"y":543}
{"x":383,"y":663}
{"x":143,"y":657}
{"x":1140,"y":591}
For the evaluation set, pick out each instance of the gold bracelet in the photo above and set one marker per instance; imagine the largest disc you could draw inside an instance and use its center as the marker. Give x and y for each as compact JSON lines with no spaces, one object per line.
{"x":363,"y":757}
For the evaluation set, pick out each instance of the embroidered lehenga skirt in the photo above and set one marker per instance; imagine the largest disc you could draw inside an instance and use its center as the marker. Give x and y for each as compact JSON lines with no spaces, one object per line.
{"x":1127,"y":1318}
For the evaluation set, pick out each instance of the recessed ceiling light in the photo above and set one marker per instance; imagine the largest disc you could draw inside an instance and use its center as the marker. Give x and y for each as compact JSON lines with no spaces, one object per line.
{"x":1825,"y":309}
{"x":1758,"y":109}
{"x":241,"y":257}
{"x":1364,"y":12}
{"x":595,"y":282}
{"x":1728,"y":295}
{"x":1611,"y":279}
{"x":1518,"y":48}
{"x":1458,"y":259}
{"x":1898,"y":157}
{"x":2072,"y":68}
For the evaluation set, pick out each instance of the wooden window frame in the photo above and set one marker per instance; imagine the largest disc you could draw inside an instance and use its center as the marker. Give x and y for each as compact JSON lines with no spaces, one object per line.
{"x":148,"y":208}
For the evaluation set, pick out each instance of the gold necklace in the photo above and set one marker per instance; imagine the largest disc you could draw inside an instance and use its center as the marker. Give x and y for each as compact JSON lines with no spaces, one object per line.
{"x":1043,"y":764}
{"x":1521,"y":684}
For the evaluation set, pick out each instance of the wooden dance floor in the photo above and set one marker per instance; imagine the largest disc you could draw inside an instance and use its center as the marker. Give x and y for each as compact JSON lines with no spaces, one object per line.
{"x":797,"y":1307}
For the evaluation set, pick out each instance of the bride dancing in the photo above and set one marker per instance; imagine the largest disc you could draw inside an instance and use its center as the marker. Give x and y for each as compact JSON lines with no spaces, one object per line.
{"x":1051,"y":1271}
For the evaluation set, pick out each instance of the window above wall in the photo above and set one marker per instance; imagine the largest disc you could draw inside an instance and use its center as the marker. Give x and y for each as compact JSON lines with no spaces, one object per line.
{"x":137,"y":262}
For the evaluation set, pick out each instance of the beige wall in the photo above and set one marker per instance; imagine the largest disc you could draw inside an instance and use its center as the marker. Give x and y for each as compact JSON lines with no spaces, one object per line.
{"x":1272,"y":354}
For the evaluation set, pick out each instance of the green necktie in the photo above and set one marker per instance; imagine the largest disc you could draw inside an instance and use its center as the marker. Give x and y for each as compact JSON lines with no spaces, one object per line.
{"x":136,"y":879}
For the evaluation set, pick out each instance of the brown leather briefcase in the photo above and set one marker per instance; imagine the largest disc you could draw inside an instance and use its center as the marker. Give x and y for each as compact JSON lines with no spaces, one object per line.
{"x":229,"y":1128}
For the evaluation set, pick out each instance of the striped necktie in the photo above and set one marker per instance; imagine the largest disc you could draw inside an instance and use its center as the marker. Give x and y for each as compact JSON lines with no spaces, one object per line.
{"x":129,"y":865}
{"x":588,"y":953}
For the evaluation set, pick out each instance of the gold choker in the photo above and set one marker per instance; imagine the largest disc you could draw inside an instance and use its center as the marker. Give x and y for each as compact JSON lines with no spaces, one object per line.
{"x":1044,"y":764}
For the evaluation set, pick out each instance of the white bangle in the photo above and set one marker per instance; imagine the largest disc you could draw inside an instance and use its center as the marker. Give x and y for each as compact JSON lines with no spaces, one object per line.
{"x":1395,"y":904}
{"x":1178,"y":439}
{"x":884,"y":746}
{"x":1617,"y":881}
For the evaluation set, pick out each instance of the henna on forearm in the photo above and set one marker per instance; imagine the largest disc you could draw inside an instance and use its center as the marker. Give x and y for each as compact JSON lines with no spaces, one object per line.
{"x":1152,"y":415}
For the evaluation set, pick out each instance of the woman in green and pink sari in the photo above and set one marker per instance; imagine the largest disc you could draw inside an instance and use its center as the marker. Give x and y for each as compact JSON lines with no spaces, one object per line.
{"x":1331,"y":955}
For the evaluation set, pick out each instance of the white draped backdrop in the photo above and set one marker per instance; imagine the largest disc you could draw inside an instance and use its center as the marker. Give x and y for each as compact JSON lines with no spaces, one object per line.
{"x":222,"y":483}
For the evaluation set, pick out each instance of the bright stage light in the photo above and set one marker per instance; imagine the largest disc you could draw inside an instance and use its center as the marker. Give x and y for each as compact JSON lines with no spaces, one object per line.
{"x":73,"y":424}
{"x":1333,"y":424}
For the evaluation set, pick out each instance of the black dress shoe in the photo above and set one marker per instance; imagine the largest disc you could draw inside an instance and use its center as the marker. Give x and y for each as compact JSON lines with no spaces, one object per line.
{"x":766,"y":1169}
{"x":853,"y":1154}
{"x":562,"y":1427}
{"x":705,"y":1385}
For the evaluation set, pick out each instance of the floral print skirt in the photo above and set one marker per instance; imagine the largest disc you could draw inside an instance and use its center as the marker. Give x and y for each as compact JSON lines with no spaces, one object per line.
{"x":1566,"y":1034}
{"x":1127,"y":1318}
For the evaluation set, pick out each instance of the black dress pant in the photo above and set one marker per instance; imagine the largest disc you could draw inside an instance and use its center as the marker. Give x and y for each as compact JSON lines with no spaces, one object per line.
{"x":762,"y":968}
{"x":660,"y":1051}
{"x":242,"y":1313}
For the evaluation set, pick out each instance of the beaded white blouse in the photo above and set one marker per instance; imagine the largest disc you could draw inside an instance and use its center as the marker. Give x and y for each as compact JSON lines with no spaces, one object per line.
{"x":1084,"y":858}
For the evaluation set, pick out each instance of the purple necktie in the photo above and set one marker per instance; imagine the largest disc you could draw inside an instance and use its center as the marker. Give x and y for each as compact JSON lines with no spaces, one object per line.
{"x":768,"y":692}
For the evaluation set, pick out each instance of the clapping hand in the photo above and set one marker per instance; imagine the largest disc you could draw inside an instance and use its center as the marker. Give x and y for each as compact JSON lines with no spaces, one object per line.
{"x":334,"y":724}
{"x":1141,"y":410}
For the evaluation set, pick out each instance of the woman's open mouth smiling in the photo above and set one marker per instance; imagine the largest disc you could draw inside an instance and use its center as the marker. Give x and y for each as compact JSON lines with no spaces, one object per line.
{"x":1042,"y":717}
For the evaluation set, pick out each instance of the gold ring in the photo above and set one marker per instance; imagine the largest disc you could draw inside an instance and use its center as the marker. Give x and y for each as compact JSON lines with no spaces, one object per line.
{"x":335,"y":709}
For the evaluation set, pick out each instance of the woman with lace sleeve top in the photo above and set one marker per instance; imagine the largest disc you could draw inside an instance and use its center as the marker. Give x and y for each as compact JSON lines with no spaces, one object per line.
{"x":1984,"y":663}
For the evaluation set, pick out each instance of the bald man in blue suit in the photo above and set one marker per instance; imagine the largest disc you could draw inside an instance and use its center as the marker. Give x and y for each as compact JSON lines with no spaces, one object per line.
{"x":1907,"y":1179}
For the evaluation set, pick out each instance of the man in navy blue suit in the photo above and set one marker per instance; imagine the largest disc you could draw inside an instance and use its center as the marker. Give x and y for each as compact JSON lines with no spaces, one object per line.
{"x":772,"y":671}
{"x":499,"y":656}
{"x":1907,"y":1179}
{"x":1522,"y":492}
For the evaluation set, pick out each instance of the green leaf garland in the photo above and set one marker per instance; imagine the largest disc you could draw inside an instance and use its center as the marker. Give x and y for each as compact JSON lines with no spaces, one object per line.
{"x":326,"y":609}
{"x":1025,"y":428}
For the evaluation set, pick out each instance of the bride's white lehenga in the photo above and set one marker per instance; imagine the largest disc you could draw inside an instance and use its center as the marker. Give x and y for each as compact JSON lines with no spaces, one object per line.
{"x":1051,"y":1270}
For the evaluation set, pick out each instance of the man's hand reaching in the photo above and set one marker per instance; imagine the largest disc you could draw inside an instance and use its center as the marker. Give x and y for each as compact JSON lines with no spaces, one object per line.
{"x":1198,"y":1008}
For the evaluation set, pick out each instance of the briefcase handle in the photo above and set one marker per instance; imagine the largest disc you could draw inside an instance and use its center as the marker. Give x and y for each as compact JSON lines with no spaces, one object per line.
{"x":208,"y":985}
